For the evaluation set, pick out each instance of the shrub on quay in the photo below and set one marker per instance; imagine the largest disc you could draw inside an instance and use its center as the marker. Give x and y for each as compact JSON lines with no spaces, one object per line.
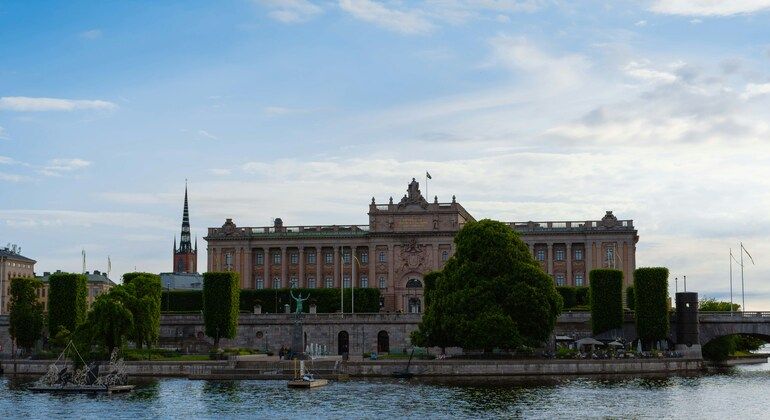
{"x":26,"y":314}
{"x":490,"y":294}
{"x":220,"y":305}
{"x":66,"y":301}
{"x":651,"y":303}
{"x":568,"y":296}
{"x":630,"y":298}
{"x":606,"y":299}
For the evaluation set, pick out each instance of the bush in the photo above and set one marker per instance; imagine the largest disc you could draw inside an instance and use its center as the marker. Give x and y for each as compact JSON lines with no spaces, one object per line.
{"x":582,"y":296}
{"x":26,"y":314}
{"x":144,"y":292}
{"x":630,"y":298}
{"x":719,"y":349}
{"x":566,"y":353}
{"x":606,"y":299}
{"x":568,"y":295}
{"x":66,"y":301}
{"x":220,"y":305}
{"x":651,"y":303}
{"x":182,"y":301}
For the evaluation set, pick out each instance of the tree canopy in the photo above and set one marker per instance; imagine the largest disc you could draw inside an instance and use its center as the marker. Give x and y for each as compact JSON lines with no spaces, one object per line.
{"x":490,"y":294}
{"x":66,"y":301}
{"x":220,"y":305}
{"x":26,"y":314}
{"x":143,"y":300}
{"x":109,"y":320}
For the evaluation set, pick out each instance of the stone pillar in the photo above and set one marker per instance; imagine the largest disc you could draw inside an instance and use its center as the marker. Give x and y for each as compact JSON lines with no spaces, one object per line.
{"x":569,"y":264}
{"x":549,"y":258}
{"x":336,"y":262}
{"x":266,"y":274}
{"x":389,"y":256}
{"x":318,"y":264}
{"x":210,"y":258}
{"x":301,"y":255}
{"x":589,"y":258}
{"x":237,"y":260}
{"x":247,"y":281}
{"x":284,"y":268}
{"x":372,"y":262}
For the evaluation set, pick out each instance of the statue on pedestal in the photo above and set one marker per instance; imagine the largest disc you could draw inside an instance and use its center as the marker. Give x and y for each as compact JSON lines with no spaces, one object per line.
{"x":298,"y":301}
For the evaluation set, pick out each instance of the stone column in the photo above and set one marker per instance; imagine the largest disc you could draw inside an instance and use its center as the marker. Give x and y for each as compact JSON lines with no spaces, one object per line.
{"x":247,"y":281}
{"x":301,"y":280}
{"x":391,"y":268}
{"x":210,"y":264}
{"x":588,"y":258}
{"x":284,"y":268}
{"x":549,"y":258}
{"x":372,"y":262}
{"x":318,"y":264}
{"x":569,"y":264}
{"x":237,"y":260}
{"x":336,"y":262}
{"x":268,"y":282}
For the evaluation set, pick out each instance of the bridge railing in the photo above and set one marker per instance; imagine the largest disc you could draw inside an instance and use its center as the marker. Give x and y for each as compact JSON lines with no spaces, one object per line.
{"x":738,"y":314}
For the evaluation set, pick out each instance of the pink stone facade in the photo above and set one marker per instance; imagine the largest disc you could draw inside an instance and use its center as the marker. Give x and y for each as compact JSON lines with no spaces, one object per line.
{"x":402,"y":242}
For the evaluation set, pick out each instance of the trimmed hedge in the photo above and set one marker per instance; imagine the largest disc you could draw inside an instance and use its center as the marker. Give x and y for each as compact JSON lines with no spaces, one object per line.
{"x":367,"y":300}
{"x":606,"y":299}
{"x":630,"y":298}
{"x":66,"y":301}
{"x":568,"y":295}
{"x":583,"y":296}
{"x":220,"y":304}
{"x":651,"y":303}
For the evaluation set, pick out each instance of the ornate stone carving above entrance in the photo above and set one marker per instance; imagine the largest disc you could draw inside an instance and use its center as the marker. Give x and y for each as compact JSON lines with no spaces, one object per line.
{"x":413,"y":256}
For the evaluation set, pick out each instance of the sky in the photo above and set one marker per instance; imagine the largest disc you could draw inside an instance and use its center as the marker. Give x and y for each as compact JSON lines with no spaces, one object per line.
{"x":305,"y":110}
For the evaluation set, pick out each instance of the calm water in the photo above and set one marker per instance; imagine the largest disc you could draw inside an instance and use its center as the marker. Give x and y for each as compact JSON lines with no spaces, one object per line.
{"x":741,"y":392}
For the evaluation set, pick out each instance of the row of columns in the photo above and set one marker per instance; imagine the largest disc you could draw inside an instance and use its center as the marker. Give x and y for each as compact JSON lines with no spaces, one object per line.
{"x":624,"y":256}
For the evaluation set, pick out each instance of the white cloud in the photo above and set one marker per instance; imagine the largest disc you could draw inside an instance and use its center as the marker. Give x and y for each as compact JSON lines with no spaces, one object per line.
{"x":27,"y":104}
{"x":402,"y":21}
{"x":755,"y":89}
{"x":291,"y":11}
{"x":12,"y":177}
{"x":696,"y":21}
{"x":641,"y":23}
{"x":220,"y":172}
{"x":28,"y":218}
{"x":709,"y":7}
{"x":58,"y":167}
{"x":642,"y":70}
{"x":91,"y":34}
{"x":206,"y":135}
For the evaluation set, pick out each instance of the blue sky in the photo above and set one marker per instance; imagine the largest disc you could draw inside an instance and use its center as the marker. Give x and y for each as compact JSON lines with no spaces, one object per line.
{"x":526,"y":110}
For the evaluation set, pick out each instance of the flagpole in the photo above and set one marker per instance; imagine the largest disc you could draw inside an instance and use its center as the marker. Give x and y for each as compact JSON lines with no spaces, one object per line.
{"x":342,"y":283}
{"x":426,"y":185}
{"x":731,"y":281}
{"x":743,"y":294}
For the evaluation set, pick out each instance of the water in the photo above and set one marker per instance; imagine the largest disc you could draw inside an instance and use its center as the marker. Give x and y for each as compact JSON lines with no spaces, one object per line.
{"x":740,"y":392}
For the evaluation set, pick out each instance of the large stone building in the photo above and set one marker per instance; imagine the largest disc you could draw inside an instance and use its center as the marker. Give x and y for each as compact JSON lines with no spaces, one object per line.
{"x":12,"y":265}
{"x":403,"y":241}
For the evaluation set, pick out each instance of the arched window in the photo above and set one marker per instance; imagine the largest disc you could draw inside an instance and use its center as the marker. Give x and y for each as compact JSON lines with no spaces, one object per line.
{"x":383,"y":342}
{"x":413,"y":284}
{"x":415,"y":305}
{"x":343,"y":342}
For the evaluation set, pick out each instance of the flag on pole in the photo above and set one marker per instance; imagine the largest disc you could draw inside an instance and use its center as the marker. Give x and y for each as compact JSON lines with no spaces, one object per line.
{"x":747,"y":253}
{"x":109,"y":265}
{"x":427,"y":175}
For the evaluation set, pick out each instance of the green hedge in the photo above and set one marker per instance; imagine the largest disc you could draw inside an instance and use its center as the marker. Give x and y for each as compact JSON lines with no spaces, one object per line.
{"x":630,"y":298}
{"x":367,"y":300}
{"x":128,"y":277}
{"x":66,"y":301}
{"x":220,"y":304}
{"x":568,"y":295}
{"x":583,"y":296}
{"x":606,"y":299}
{"x":651,"y":303}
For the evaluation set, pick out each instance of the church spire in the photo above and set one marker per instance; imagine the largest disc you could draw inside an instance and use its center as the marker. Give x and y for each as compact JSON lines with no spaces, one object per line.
{"x":184,"y":244}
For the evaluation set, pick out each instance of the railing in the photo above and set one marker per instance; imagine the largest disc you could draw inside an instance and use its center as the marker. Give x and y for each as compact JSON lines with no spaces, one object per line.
{"x":739,"y":314}
{"x":569,"y":225}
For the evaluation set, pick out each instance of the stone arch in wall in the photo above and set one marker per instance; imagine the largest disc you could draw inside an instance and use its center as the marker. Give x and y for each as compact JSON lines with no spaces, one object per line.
{"x":413,"y":291}
{"x":383,"y":342}
{"x":343,"y":342}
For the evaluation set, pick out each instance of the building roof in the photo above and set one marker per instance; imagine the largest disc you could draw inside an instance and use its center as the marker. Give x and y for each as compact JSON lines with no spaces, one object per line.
{"x":182,"y":281}
{"x":95,"y":277}
{"x":11,"y":254}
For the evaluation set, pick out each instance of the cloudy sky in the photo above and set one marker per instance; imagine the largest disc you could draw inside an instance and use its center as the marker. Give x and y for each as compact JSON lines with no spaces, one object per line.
{"x":305,"y":109}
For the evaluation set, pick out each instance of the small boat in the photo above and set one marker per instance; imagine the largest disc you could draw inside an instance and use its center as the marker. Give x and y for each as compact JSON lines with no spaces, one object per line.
{"x":86,"y":380}
{"x":304,"y":379}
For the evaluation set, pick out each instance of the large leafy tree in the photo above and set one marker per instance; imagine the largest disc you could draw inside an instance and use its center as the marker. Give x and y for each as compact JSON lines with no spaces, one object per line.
{"x":143,"y":297}
{"x":109,"y":320}
{"x":490,"y":294}
{"x":66,"y":301}
{"x":220,"y":305}
{"x":26,"y":314}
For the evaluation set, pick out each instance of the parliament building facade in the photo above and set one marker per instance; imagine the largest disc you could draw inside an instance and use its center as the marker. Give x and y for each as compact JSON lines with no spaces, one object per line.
{"x":404,"y":241}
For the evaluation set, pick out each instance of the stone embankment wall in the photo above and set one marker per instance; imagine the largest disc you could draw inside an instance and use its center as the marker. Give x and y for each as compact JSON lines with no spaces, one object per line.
{"x":134,"y":369}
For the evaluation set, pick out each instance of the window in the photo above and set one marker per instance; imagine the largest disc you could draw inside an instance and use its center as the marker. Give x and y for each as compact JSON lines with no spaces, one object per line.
{"x":346,"y":281}
{"x":277,"y":283}
{"x":260,"y":258}
{"x":364,"y":281}
{"x":444,"y":255}
{"x":578,"y":255}
{"x":311,"y":282}
{"x":293,"y":282}
{"x":329,"y":283}
{"x":560,"y":279}
{"x":294,"y":258}
{"x":311,"y":258}
{"x":383,"y":284}
{"x":276,"y":258}
{"x":346,"y":257}
{"x":329,"y":258}
{"x":382,"y":258}
{"x":579,"y":279}
{"x":559,"y":255}
{"x":365,"y":258}
{"x":260,"y":283}
{"x":540,"y":255}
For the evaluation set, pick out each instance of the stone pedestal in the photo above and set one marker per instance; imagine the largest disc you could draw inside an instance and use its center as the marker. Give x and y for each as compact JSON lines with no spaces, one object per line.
{"x":257,"y":309}
{"x":690,"y":352}
{"x":297,"y":337}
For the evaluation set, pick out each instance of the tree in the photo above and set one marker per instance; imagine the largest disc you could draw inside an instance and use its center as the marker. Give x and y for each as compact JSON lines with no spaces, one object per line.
{"x":651,"y":303}
{"x":109,"y":320}
{"x":220,"y":305}
{"x":490,"y":294}
{"x":66,"y":301}
{"x":713,"y":305}
{"x":26,"y":314}
{"x":630,"y":298}
{"x":143,"y":299}
{"x":719,"y":349}
{"x":606,"y":299}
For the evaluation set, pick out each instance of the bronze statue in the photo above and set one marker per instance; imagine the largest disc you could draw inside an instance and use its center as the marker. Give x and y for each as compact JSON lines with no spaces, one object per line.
{"x":298,"y":301}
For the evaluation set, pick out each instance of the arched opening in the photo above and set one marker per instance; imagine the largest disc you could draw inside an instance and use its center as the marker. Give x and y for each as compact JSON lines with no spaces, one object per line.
{"x":413,"y":301}
{"x":343,"y":343}
{"x":415,"y":305}
{"x":383,"y":342}
{"x":414,"y":284}
{"x":721,"y":348}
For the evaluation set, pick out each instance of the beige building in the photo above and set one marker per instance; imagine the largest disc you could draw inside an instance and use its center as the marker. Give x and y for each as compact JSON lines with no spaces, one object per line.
{"x":403,"y":241}
{"x":12,"y":265}
{"x":98,"y":283}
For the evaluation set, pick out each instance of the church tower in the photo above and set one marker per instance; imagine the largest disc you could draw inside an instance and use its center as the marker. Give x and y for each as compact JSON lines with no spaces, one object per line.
{"x":185,"y":257}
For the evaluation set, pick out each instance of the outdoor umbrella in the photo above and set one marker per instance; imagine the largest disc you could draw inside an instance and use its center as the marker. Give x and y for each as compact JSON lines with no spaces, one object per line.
{"x":615,"y":344}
